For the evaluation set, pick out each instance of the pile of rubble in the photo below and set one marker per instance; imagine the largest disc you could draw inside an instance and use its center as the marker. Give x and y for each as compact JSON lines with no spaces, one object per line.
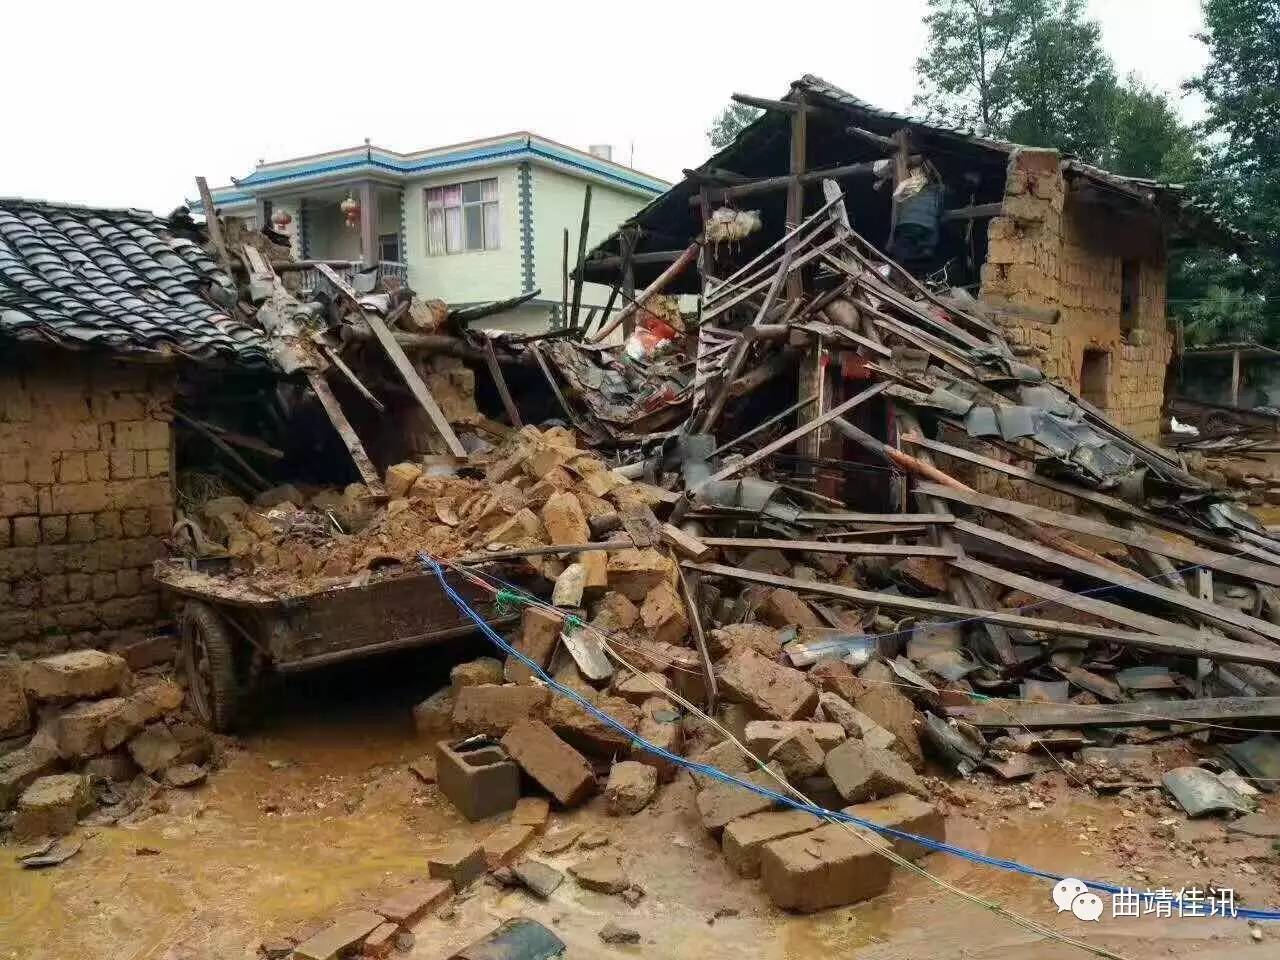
{"x":88,"y":741}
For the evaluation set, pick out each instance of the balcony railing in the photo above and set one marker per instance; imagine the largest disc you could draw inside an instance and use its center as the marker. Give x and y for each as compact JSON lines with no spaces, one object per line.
{"x":387,"y":269}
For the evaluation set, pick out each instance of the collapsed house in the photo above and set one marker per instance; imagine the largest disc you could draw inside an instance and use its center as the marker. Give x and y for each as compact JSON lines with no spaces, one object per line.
{"x":790,"y":540}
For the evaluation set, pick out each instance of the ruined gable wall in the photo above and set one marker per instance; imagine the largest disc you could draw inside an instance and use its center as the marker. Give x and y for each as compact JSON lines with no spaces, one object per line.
{"x":85,"y":497}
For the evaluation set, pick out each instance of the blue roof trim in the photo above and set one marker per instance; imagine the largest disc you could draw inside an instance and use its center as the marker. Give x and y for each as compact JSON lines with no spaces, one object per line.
{"x":522,"y":149}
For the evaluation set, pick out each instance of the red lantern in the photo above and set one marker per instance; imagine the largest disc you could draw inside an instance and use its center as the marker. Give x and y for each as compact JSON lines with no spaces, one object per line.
{"x":350,"y":208}
{"x":281,"y":219}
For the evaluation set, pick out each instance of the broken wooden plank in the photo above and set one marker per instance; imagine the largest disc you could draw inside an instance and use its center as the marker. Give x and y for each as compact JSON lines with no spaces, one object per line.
{"x":689,"y":595}
{"x":1017,"y":713}
{"x":828,"y":546}
{"x":200,"y":427}
{"x":1065,"y":561}
{"x":695,"y":548}
{"x":583,"y":227}
{"x":786,"y":439}
{"x":765,"y":425}
{"x":931,"y":608}
{"x":395,"y":353}
{"x":364,"y":466}
{"x":1156,"y":634}
{"x":1106,"y":502}
{"x":335,"y":358}
{"x":1249,"y":569}
{"x":690,"y":254}
{"x":889,"y":518}
{"x":214,"y":226}
{"x":500,"y":381}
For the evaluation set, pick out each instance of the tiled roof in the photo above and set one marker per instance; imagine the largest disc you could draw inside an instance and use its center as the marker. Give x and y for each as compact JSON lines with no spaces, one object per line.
{"x":117,"y":280}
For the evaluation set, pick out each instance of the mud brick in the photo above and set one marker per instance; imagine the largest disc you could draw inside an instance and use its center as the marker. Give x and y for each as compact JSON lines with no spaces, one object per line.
{"x":135,"y":523}
{"x":400,"y":477}
{"x":154,"y":748}
{"x":763,"y":735}
{"x":633,"y":573}
{"x":435,"y":714}
{"x":97,"y":465}
{"x":50,"y":806}
{"x":799,"y":755}
{"x":720,"y":803}
{"x":630,"y":787}
{"x":20,"y":768}
{"x":588,"y":733}
{"x":475,"y":672}
{"x":614,"y":612}
{"x":768,"y":689}
{"x":381,"y":942}
{"x":660,"y":725}
{"x":92,"y":727}
{"x":120,"y":464}
{"x":826,"y":867}
{"x":507,"y":843}
{"x":725,"y":641}
{"x":6,"y":533}
{"x":104,"y":586}
{"x":26,"y":531}
{"x":835,"y":676}
{"x":863,"y":773}
{"x":744,"y":838}
{"x":53,"y":529}
{"x":71,"y":468}
{"x":459,"y":863}
{"x":75,"y":675}
{"x":895,"y":713}
{"x":415,"y":901}
{"x":116,"y":766}
{"x":564,"y":520}
{"x":17,"y":498}
{"x":663,"y":614}
{"x":638,"y":687}
{"x":15,"y":716}
{"x":80,"y":528}
{"x":908,"y":814}
{"x":557,"y":767}
{"x":784,"y":608}
{"x":855,"y":723}
{"x":148,"y":651}
{"x":339,"y":937}
{"x":19,"y":562}
{"x":531,"y":811}
{"x":492,"y":710}
{"x":156,"y":699}
{"x":539,"y":633}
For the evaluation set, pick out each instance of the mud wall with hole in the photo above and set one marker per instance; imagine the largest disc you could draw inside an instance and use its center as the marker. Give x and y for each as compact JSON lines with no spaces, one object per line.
{"x":85,"y":498}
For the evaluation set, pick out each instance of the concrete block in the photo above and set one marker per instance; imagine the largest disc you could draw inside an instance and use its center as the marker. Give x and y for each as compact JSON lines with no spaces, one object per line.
{"x":479,"y":779}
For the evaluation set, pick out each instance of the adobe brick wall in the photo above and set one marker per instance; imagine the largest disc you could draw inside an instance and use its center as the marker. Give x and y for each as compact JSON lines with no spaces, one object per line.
{"x":85,"y":497}
{"x":1053,"y":249}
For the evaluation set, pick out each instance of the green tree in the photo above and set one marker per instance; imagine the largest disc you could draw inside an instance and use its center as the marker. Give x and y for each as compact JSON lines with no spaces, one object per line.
{"x":729,"y":122}
{"x":1147,"y":137}
{"x":1241,"y":89}
{"x":1063,"y":85}
{"x":970,"y":57}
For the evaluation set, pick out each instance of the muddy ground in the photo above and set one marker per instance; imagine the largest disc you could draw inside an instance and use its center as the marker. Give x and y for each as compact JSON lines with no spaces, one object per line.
{"x":315,"y":811}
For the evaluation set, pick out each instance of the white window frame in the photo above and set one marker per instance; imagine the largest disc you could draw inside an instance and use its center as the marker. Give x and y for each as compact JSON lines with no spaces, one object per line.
{"x":446,"y":235}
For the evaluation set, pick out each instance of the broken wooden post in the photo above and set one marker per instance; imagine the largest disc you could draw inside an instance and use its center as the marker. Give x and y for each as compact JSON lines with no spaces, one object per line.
{"x":690,"y":254}
{"x":582,"y":255}
{"x":214,"y":227}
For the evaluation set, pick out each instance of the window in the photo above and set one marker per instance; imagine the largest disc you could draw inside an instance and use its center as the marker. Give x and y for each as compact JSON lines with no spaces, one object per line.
{"x":389,"y":247}
{"x":462,"y":217}
{"x":1130,"y":294}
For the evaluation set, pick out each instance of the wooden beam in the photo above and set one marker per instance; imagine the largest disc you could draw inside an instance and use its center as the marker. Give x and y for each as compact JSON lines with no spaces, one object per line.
{"x":787,"y":439}
{"x":395,"y":353}
{"x":1235,"y":378}
{"x":214,"y":226}
{"x":1137,"y":584}
{"x":341,"y":366}
{"x":690,"y":254}
{"x":500,"y":381}
{"x":653,"y":256}
{"x":364,"y":466}
{"x":1023,"y":713}
{"x":829,"y":546}
{"x":1198,"y":556}
{"x":689,"y":593}
{"x":764,"y":425}
{"x":864,"y":168}
{"x":875,"y":518}
{"x":777,"y":106}
{"x":930,"y":608}
{"x":583,"y":226}
{"x":1102,"y":500}
{"x":975,"y":212}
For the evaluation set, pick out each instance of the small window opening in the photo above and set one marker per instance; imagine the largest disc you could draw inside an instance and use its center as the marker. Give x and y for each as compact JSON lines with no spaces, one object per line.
{"x":1095,"y":374}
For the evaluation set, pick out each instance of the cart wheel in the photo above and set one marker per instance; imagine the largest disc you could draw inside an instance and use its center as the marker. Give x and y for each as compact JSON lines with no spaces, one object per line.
{"x":208,"y":656}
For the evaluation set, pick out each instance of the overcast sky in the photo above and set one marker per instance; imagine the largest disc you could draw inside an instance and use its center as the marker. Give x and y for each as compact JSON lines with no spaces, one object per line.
{"x":122,"y":104}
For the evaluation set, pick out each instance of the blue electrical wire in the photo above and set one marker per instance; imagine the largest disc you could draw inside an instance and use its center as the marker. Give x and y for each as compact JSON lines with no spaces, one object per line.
{"x":432,"y":565}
